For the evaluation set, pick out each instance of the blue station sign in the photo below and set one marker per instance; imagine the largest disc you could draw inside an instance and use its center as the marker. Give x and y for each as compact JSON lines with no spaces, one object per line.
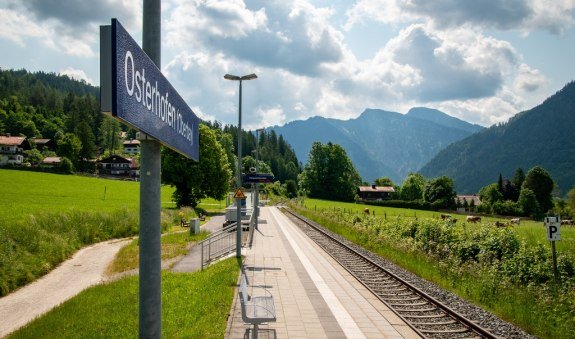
{"x":136,"y":92}
{"x":258,"y":178}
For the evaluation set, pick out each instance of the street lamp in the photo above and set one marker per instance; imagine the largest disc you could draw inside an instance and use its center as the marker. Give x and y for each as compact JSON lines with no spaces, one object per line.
{"x":239,"y":184}
{"x":257,"y":198}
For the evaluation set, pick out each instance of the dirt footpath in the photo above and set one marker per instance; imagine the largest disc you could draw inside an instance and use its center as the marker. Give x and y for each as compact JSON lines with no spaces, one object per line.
{"x":84,"y":269}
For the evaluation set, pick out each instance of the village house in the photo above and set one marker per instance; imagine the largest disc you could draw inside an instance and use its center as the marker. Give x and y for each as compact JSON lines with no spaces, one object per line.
{"x":12,"y":149}
{"x":43,"y":144}
{"x":371,"y":193}
{"x":131,"y":146}
{"x":116,"y":165}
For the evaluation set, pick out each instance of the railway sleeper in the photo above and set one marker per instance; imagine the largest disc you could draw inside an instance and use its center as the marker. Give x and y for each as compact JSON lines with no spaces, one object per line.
{"x":439,"y":323}
{"x":395,"y":294}
{"x":407,"y":304}
{"x":458,"y":330}
{"x":403,"y":299}
{"x":427,"y":316}
{"x":416,"y":310}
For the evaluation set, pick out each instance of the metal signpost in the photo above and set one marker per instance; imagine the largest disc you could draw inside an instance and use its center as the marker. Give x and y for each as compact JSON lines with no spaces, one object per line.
{"x":553,"y":225}
{"x":258,"y":178}
{"x":239,"y":183}
{"x":133,"y":90}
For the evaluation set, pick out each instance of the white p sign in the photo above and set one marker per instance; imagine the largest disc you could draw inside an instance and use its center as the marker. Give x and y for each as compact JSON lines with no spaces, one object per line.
{"x":553,"y":228}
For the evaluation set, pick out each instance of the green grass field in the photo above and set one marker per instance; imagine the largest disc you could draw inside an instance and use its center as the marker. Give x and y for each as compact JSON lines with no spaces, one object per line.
{"x":45,"y":218}
{"x":194,"y":305}
{"x":25,"y":193}
{"x":533,"y":232}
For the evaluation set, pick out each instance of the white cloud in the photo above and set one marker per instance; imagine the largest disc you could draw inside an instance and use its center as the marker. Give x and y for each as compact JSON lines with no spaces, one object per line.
{"x":77,"y":74}
{"x":294,"y":36}
{"x":522,"y":15}
{"x":528,"y":79}
{"x":17,"y":27}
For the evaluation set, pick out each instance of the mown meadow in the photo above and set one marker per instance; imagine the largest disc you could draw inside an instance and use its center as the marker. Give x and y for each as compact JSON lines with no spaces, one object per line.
{"x":505,"y":270}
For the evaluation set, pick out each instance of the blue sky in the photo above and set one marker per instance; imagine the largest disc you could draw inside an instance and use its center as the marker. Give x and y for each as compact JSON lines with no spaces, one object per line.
{"x":481,"y":61}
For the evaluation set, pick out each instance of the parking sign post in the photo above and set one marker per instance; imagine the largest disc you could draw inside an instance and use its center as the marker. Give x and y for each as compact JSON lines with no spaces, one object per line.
{"x":553,"y":225}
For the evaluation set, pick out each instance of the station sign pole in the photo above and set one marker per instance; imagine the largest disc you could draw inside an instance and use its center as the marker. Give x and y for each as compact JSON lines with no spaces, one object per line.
{"x":134,"y":91}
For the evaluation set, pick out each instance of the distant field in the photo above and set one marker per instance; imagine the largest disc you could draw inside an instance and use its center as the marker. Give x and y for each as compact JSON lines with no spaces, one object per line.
{"x":24,"y":193}
{"x":532,"y":232}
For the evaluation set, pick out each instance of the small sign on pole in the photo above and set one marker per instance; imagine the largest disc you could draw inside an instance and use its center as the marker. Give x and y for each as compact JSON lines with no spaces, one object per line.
{"x":553,"y":225}
{"x":239,"y":194}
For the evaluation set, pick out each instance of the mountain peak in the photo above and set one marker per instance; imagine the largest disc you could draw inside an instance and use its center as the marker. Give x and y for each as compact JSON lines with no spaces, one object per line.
{"x":441,"y":118}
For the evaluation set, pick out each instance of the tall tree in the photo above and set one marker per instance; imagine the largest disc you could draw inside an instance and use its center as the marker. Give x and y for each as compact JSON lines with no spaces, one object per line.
{"x":383,"y":181}
{"x":196,"y":180}
{"x":490,"y":194}
{"x":571,"y":199}
{"x":518,"y":179}
{"x":500,"y":184}
{"x":413,"y":186}
{"x":329,"y":173}
{"x":69,"y":146}
{"x":539,"y":181}
{"x":439,"y":192}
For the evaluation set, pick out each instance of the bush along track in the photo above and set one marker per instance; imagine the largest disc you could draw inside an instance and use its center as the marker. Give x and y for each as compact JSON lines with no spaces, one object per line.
{"x":490,"y":266}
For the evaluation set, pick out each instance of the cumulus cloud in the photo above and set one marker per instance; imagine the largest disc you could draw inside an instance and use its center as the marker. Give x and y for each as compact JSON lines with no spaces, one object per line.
{"x":77,"y":74}
{"x":17,"y":27}
{"x":70,"y":26}
{"x":522,"y":15}
{"x":294,"y":36}
{"x":451,"y":67}
{"x":78,"y":15}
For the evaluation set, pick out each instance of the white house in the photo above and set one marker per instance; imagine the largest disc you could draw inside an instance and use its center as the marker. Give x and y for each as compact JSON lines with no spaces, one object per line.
{"x":12,"y":150}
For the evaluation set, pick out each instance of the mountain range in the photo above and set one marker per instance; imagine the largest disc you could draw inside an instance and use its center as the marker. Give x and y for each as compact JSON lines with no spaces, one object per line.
{"x":381,"y":143}
{"x":543,"y":136}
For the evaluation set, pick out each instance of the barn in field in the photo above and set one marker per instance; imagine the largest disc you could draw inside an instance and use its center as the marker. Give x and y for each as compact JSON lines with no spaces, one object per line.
{"x":374,"y":193}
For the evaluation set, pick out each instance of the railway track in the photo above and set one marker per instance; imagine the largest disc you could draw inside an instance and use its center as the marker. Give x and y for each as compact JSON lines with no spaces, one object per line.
{"x":426,"y":315}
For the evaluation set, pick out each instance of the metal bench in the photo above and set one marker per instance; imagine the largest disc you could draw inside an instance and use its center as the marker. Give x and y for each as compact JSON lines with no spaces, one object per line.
{"x":256,"y":310}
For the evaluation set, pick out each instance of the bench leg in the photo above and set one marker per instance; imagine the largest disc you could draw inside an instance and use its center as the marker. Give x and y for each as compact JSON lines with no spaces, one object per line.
{"x":255,"y":336}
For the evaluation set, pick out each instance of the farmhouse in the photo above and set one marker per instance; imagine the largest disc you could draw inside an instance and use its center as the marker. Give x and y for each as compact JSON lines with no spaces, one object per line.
{"x":51,"y":161}
{"x":118,"y":166}
{"x":468,"y":198}
{"x":131,"y":146}
{"x":12,"y":149}
{"x":43,"y":144}
{"x":370,"y":193}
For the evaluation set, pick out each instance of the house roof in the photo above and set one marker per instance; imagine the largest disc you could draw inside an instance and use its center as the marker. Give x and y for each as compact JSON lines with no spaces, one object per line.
{"x":131,"y":142}
{"x":52,"y":160}
{"x":41,"y":141}
{"x":469,"y":198}
{"x":115,"y":159}
{"x":378,"y":189}
{"x":11,"y":141}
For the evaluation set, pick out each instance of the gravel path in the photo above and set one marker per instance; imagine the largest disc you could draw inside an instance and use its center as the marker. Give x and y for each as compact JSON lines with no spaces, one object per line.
{"x":84,"y":269}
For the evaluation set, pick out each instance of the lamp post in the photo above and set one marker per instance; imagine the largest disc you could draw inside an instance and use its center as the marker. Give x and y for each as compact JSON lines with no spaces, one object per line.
{"x":239,"y":183}
{"x":257,"y":198}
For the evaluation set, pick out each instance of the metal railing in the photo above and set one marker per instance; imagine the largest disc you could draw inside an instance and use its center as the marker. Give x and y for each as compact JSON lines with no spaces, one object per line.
{"x":223,"y":242}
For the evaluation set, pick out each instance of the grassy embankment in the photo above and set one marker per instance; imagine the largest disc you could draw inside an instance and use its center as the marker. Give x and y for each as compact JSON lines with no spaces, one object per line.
{"x":504,"y":270}
{"x":45,"y":218}
{"x":194,"y":305}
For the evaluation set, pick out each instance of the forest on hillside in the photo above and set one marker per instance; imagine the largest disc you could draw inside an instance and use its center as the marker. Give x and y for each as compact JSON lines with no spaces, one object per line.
{"x":52,"y":106}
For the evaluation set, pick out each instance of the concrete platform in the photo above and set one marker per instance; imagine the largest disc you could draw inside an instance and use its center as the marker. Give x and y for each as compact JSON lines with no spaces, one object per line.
{"x":314,"y":296}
